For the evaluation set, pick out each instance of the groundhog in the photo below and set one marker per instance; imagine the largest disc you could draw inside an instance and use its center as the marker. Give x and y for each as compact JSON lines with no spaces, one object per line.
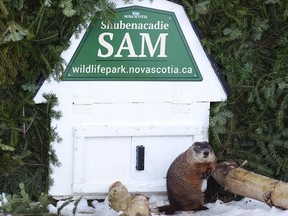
{"x":187,"y":178}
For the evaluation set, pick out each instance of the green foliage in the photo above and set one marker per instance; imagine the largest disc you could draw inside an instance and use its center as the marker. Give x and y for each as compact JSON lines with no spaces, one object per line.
{"x":14,"y":32}
{"x":76,"y":203}
{"x":33,"y":34}
{"x":67,"y":202}
{"x":28,"y":138}
{"x":21,"y":204}
{"x":249,"y":39}
{"x":67,"y":8}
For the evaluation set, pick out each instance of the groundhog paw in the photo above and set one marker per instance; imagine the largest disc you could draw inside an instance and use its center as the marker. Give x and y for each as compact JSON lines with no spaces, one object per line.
{"x":206,"y":174}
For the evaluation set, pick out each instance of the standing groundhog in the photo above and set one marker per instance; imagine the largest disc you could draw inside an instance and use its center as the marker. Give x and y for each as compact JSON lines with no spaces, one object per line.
{"x":187,"y":178}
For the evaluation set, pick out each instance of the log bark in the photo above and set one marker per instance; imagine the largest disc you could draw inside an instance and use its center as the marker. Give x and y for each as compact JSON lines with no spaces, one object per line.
{"x":248,"y":184}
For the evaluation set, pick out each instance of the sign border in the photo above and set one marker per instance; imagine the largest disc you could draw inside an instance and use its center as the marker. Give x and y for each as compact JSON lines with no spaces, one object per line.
{"x":199,"y":77}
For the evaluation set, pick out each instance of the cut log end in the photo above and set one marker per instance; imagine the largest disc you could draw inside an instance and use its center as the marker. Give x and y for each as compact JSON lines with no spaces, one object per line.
{"x":138,"y":205}
{"x":118,"y":196}
{"x":222,"y":170}
{"x":248,"y":184}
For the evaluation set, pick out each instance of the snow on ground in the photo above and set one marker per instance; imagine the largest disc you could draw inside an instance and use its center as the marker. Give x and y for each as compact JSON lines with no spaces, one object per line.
{"x":244,"y":207}
{"x":240,"y":208}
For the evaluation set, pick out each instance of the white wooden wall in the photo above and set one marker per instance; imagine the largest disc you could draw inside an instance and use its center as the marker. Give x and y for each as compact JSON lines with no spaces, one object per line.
{"x":103,"y":122}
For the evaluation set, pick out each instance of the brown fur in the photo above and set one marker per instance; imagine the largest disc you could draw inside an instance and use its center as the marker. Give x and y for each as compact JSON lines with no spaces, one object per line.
{"x":185,"y":177}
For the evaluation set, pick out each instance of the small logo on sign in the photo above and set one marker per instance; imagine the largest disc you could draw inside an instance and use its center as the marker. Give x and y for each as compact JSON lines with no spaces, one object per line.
{"x":135,"y":15}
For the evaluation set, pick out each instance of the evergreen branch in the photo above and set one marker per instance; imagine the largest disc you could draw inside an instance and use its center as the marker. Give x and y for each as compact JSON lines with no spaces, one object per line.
{"x":42,"y":11}
{"x":76,"y":205}
{"x":228,"y":141}
{"x":229,"y":14}
{"x":8,"y":63}
{"x":67,"y":202}
{"x":29,"y":126}
{"x":47,"y":38}
{"x":67,"y":8}
{"x":39,"y":14}
{"x":3,"y":8}
{"x":106,"y":9}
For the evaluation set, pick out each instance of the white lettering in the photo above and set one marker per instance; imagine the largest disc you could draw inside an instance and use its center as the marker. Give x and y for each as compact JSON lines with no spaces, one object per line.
{"x":159,"y":25}
{"x":105,"y":44}
{"x":147,"y":40}
{"x":129,"y":46}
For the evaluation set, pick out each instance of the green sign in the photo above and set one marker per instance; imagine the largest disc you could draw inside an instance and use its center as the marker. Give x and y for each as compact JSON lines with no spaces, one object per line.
{"x":140,"y":44}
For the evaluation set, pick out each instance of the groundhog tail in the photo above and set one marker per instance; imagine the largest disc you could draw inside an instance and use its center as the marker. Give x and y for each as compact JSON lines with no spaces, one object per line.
{"x":167,"y":209}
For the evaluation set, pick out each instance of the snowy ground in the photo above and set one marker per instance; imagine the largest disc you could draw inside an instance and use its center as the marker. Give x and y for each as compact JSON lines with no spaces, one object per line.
{"x":241,"y":208}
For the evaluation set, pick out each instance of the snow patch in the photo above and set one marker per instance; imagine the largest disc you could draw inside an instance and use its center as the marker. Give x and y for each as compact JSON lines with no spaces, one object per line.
{"x":244,"y":207}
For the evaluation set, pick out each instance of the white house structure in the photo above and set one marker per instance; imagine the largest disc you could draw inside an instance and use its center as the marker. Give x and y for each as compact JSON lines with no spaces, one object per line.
{"x":136,"y":93}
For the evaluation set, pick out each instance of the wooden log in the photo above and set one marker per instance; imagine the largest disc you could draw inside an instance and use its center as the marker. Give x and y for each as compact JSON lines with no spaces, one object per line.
{"x":127,"y":205}
{"x":248,"y":184}
{"x":137,"y":206}
{"x":118,"y":196}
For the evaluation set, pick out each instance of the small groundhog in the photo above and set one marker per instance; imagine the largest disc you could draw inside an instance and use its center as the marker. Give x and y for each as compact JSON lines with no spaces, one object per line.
{"x":187,"y":178}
